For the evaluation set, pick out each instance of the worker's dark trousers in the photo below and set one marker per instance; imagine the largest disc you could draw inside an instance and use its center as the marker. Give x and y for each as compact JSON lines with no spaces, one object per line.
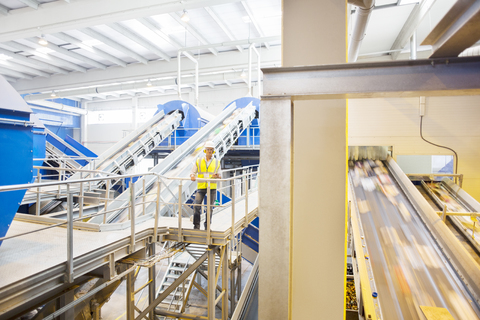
{"x":201,"y":193}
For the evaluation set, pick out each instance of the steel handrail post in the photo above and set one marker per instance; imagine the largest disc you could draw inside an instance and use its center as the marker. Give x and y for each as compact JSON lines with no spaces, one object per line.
{"x":80,"y":200}
{"x":157,"y":209}
{"x":69,"y":274}
{"x":39,"y":180}
{"x":233,"y":212}
{"x":180,"y":212}
{"x":209,"y":208}
{"x":107,"y":188}
{"x":144,"y":197}
{"x":246,"y":201}
{"x":132,"y":216}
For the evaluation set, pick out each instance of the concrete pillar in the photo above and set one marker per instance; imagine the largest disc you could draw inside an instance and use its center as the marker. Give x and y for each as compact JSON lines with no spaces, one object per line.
{"x":303,"y":184}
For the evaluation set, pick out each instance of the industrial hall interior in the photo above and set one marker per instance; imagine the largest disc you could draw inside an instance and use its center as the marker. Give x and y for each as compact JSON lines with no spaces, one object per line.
{"x":239,"y":159}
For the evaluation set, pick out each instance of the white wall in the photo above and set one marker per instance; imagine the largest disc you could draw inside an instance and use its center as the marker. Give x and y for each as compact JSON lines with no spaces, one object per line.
{"x":102,"y":136}
{"x":449,"y":121}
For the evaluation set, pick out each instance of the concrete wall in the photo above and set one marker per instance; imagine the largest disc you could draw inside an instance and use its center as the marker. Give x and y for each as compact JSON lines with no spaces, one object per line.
{"x":448,"y":121}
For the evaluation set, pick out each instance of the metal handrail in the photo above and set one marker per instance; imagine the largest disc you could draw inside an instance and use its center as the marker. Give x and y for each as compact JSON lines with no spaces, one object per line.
{"x":131,"y":206}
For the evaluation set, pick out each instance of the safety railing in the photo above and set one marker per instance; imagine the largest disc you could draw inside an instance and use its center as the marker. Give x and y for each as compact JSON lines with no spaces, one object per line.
{"x":239,"y":187}
{"x":457,"y":177}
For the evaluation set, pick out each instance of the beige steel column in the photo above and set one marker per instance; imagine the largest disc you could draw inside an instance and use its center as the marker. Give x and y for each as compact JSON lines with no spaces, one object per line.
{"x":303,"y":186}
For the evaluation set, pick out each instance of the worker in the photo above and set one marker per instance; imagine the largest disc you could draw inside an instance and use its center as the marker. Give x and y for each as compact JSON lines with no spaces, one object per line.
{"x":205,"y":167}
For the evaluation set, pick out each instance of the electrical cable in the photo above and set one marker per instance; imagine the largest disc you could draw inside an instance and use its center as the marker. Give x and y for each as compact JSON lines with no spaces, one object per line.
{"x":437,"y":145}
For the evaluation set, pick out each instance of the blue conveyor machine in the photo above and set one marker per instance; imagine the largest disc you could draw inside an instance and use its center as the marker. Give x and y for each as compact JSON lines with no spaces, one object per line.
{"x":16,"y":140}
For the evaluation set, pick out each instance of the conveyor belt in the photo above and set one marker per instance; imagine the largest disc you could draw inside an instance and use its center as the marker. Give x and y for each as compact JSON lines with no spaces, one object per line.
{"x":408,"y":267}
{"x":223,"y":131}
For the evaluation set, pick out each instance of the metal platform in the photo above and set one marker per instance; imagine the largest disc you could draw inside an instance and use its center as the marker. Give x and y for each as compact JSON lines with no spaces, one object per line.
{"x":36,"y":263}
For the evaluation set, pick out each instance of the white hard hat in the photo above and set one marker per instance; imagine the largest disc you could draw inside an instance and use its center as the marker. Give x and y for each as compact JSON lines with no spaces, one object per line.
{"x":209,"y":144}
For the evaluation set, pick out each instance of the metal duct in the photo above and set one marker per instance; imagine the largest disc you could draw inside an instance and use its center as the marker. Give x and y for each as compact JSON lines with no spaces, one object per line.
{"x":362,"y":14}
{"x":469,"y":52}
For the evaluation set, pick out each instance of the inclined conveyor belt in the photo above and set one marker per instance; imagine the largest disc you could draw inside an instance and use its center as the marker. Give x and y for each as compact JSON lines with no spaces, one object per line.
{"x":408,"y":268}
{"x":223,"y":131}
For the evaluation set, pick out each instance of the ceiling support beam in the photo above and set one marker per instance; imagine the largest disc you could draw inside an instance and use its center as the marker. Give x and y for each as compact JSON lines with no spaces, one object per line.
{"x":207,"y":80}
{"x":222,"y":26}
{"x":21,"y":68}
{"x":64,"y":16}
{"x":4,"y":10}
{"x":254,"y":22}
{"x":96,"y":35}
{"x":458,"y":30}
{"x":45,"y":56}
{"x":32,"y":62}
{"x":193,"y":32}
{"x":31,"y":3}
{"x":67,"y":38}
{"x":234,"y":43}
{"x":71,"y":54}
{"x":147,"y":22}
{"x":138,"y":39}
{"x":14,"y":73}
{"x":225,"y":61}
{"x":10,"y":79}
{"x":419,"y":12}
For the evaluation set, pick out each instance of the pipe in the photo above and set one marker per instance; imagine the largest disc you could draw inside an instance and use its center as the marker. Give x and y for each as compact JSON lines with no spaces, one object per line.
{"x":364,"y":9}
{"x":179,"y":73}
{"x":56,"y":106}
{"x":413,"y":46}
{"x":250,"y":48}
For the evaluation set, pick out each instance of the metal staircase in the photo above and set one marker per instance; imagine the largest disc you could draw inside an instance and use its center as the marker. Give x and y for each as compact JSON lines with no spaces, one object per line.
{"x":177,"y":299}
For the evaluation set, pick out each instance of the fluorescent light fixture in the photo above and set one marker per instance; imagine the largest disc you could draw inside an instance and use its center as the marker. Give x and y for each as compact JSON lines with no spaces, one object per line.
{"x":185,"y":17}
{"x":92,"y":42}
{"x":246,"y":19}
{"x":45,"y":50}
{"x":243,"y":74}
{"x":149,"y":83}
{"x":42,"y":41}
{"x":173,"y":30}
{"x":54,"y":94}
{"x":4,"y":57}
{"x":404,"y":2}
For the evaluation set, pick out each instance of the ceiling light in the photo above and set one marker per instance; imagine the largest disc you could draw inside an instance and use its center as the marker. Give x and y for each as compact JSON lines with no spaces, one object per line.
{"x":149,"y":84}
{"x":246,"y":19}
{"x":42,"y":41}
{"x":54,"y":94}
{"x":243,"y":74}
{"x":185,"y":17}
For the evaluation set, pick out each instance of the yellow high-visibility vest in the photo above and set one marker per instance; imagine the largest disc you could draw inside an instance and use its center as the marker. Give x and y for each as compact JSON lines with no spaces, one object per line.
{"x":206,"y":173}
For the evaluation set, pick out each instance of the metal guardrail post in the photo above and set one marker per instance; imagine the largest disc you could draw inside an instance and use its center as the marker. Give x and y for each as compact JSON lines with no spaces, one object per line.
{"x":107,"y":193}
{"x":132,"y":216}
{"x":246,"y":200}
{"x":157,"y":209}
{"x":80,"y":200}
{"x":212,"y":286}
{"x":144,"y":196}
{"x":209,"y":209}
{"x":69,"y":274}
{"x":180,"y":236}
{"x":233,"y":211}
{"x":39,"y":199}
